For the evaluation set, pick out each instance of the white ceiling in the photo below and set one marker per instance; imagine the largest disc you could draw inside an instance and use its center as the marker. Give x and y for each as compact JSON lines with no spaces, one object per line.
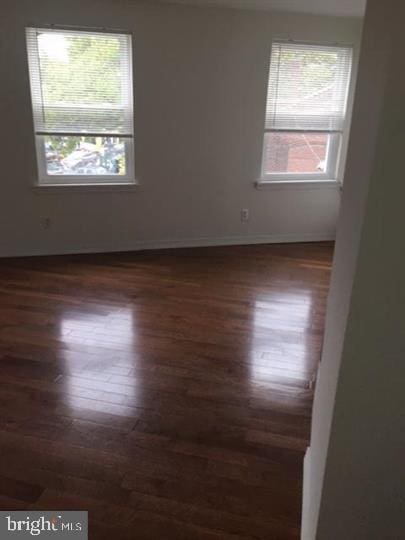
{"x":343,"y":8}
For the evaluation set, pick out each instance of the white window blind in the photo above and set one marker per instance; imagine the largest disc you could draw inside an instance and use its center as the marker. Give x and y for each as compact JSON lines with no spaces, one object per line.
{"x":81,"y":94}
{"x":308,"y":87}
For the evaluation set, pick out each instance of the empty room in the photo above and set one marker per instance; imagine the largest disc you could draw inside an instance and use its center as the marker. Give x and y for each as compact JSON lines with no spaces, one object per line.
{"x":202,"y":271}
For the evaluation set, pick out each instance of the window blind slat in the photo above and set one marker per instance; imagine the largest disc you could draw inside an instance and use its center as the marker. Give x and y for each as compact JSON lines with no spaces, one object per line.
{"x":81,"y":82}
{"x":308,"y":87}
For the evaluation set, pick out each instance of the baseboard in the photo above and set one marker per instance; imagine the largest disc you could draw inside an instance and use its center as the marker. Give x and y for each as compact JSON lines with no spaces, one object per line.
{"x":306,"y":494}
{"x":168,"y":244}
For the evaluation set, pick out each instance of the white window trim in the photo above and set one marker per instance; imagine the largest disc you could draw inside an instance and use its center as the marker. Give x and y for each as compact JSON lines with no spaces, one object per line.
{"x":45,"y":180}
{"x":329,"y":178}
{"x":51,"y":189}
{"x":298,"y":185}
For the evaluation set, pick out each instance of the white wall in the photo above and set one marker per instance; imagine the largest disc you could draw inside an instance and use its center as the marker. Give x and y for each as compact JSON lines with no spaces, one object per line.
{"x":354,"y":480}
{"x":200,"y":94}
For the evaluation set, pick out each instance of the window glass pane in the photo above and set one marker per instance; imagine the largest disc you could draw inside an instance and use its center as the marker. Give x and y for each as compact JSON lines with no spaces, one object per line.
{"x":92,"y":156}
{"x":295,"y":153}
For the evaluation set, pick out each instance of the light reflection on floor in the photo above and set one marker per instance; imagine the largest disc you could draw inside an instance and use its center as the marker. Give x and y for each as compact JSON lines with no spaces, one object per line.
{"x":288,"y":316}
{"x":95,"y":375}
{"x":115,"y":329}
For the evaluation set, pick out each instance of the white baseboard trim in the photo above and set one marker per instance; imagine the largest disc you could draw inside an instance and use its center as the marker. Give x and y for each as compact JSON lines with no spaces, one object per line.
{"x":168,"y":244}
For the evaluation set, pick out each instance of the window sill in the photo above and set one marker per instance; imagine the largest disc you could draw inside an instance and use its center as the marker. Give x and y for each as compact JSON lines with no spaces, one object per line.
{"x":297,"y":184}
{"x":86,"y":188}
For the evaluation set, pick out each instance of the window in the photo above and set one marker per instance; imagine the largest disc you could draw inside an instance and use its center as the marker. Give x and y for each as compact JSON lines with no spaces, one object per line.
{"x":305,"y":114}
{"x":81,"y":88}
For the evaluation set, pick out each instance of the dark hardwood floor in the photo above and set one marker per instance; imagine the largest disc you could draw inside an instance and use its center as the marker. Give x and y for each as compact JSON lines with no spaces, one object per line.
{"x":165,"y":392}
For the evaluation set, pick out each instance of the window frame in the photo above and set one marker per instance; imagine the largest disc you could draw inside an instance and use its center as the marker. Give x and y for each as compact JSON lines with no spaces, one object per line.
{"x":335,"y":143}
{"x":44,"y":179}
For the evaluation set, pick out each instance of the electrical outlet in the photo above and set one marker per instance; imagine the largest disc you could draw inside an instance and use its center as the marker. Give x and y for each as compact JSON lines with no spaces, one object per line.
{"x":244,"y":214}
{"x":46,"y":223}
